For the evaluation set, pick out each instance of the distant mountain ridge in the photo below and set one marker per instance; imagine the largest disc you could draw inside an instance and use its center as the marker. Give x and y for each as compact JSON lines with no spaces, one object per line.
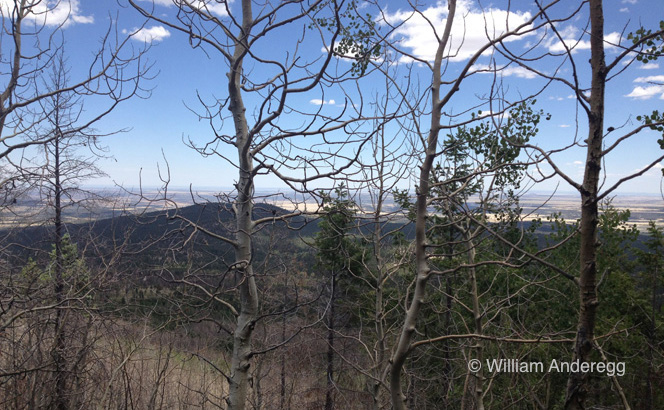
{"x":151,"y":226}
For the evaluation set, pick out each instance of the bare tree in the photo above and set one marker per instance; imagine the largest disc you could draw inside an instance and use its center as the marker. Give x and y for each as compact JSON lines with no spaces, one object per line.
{"x":33,"y":36}
{"x":59,"y":177}
{"x":380,"y":262}
{"x":264,"y":143}
{"x":42,"y":123}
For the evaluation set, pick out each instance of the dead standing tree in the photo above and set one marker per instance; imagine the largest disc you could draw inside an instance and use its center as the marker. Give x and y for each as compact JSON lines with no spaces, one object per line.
{"x":32,"y":37}
{"x":243,"y":35}
{"x":32,"y":103}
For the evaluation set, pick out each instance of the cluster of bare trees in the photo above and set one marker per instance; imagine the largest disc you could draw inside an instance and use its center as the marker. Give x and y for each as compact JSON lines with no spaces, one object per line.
{"x":50,"y":323}
{"x":385,"y":305}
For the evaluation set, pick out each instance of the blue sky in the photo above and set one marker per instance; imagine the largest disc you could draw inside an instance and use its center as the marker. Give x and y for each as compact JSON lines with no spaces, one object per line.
{"x":161,"y":122}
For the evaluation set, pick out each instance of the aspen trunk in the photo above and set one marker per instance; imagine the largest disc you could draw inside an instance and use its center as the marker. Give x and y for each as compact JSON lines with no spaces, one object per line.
{"x":577,"y":382}
{"x":243,"y":207}
{"x":421,"y":261}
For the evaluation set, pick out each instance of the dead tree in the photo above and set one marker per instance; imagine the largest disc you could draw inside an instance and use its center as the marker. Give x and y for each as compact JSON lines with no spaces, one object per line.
{"x":33,"y":35}
{"x":40,"y":117}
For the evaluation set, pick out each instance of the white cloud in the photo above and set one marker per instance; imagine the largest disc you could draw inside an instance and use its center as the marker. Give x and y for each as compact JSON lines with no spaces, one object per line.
{"x":578,"y":162}
{"x":570,"y":35}
{"x":149,"y":35}
{"x":655,"y":88}
{"x":50,"y":12}
{"x":655,"y":170}
{"x":624,"y":10}
{"x":613,"y":39}
{"x":415,"y":32}
{"x":519,"y":72}
{"x":650,"y":79}
{"x":317,"y":101}
{"x":646,"y":93}
{"x":649,"y":66}
{"x":564,"y":125}
{"x":629,"y":1}
{"x":508,"y":71}
{"x":209,"y":6}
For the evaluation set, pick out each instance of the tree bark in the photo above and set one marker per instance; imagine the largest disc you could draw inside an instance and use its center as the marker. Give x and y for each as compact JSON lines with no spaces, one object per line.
{"x":329,"y":392}
{"x":577,"y":383}
{"x":243,"y":207}
{"x":60,"y":400}
{"x":421,"y":260}
{"x":379,"y":310}
{"x":477,"y":317}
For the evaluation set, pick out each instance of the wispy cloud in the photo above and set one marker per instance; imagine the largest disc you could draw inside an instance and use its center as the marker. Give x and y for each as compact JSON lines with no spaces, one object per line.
{"x":652,"y":79}
{"x":516,"y":71}
{"x":649,"y":66}
{"x":417,"y":37}
{"x":654,"y":88}
{"x":317,"y":101}
{"x":149,"y":35}
{"x":573,"y":40}
{"x":629,"y":1}
{"x":207,"y":6}
{"x":624,"y":10}
{"x":646,"y":93}
{"x":564,"y":125}
{"x":51,"y":13}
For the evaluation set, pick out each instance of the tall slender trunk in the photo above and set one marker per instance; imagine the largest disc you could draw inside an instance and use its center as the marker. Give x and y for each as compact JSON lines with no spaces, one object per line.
{"x":241,"y":356}
{"x":422,"y":268}
{"x":329,"y":391}
{"x":652,"y":326}
{"x":577,"y":388}
{"x":477,"y":320}
{"x":380,"y":349}
{"x":243,"y":208}
{"x":447,"y":363}
{"x":60,"y":399}
{"x":282,"y":392}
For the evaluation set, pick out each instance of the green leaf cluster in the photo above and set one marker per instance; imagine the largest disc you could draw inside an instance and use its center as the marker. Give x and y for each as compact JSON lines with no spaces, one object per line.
{"x":653,"y":44}
{"x":358,"y":37}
